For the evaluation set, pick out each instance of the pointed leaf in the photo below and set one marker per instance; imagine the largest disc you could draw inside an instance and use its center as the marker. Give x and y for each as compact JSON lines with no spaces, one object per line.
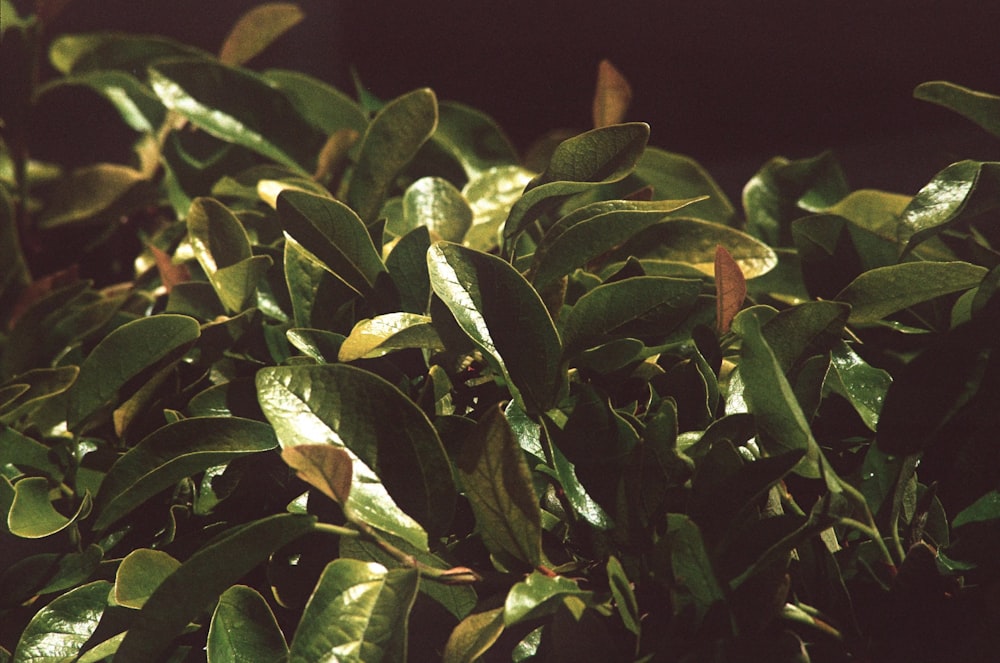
{"x":171,"y":453}
{"x":863,"y":385}
{"x":980,"y":107}
{"x":397,"y":455}
{"x":322,"y":466}
{"x":47,"y":573}
{"x":676,"y":176}
{"x":730,"y":289}
{"x":390,"y":143}
{"x":357,"y":613}
{"x":244,"y":629}
{"x":325,"y":107}
{"x":199,"y":581}
{"x":32,"y":514}
{"x":473,"y":138}
{"x":139,"y":574}
{"x":693,"y":577}
{"x":93,"y":192}
{"x":497,"y":482}
{"x":383,"y":334}
{"x":216,"y":235}
{"x":881,"y":292}
{"x":621,"y":590}
{"x":612,"y":96}
{"x":485,"y":294}
{"x":59,"y":631}
{"x":436,"y":203}
{"x":473,"y":636}
{"x":255,"y":30}
{"x":539,"y":595}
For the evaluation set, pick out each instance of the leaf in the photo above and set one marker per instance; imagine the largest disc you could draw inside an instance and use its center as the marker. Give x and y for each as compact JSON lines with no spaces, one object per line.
{"x":59,"y":631}
{"x":239,"y":107}
{"x":323,"y":106}
{"x":621,"y":590}
{"x":694,"y":581}
{"x":491,"y":194}
{"x":40,"y":385}
{"x":104,"y":51}
{"x":407,"y":264}
{"x":383,"y":334}
{"x":693,"y":242}
{"x":32,"y":514}
{"x":881,"y":292}
{"x":138,"y":107}
{"x":47,"y":573}
{"x":139,"y":574}
{"x":172,"y":453}
{"x":472,"y":138}
{"x":730,"y":289}
{"x":397,"y":455}
{"x":803,"y":330}
{"x":322,"y":346}
{"x":863,"y":385}
{"x":676,"y":176}
{"x":985,"y":509}
{"x":255,"y":30}
{"x":98,"y":191}
{"x":485,"y":294}
{"x":607,"y":154}
{"x":609,"y":310}
{"x":473,"y":636}
{"x":317,"y":294}
{"x":334,"y":234}
{"x":497,"y":483}
{"x":436,"y":203}
{"x":539,"y":595}
{"x":14,"y":274}
{"x":122,"y":355}
{"x":199,"y":581}
{"x":980,"y":107}
{"x":216,"y":235}
{"x":390,"y":143}
{"x":244,"y":629}
{"x":322,"y":466}
{"x":358,"y":612}
{"x":612,"y":96}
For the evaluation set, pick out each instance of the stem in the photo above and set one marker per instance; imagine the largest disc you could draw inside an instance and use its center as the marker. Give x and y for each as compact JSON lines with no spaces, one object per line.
{"x":336,"y":530}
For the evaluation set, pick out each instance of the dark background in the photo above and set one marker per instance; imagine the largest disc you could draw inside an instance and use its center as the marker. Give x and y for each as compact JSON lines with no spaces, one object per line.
{"x":728,"y":83}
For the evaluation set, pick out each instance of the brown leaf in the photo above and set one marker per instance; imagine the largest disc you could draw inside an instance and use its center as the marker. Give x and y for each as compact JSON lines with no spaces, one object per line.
{"x":170,"y":273}
{"x":257,"y":29}
{"x":322,"y":466}
{"x":612,"y":96}
{"x":730,"y":289}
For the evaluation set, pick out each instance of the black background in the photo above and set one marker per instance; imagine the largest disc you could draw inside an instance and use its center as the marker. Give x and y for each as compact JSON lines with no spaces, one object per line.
{"x":728,"y":83}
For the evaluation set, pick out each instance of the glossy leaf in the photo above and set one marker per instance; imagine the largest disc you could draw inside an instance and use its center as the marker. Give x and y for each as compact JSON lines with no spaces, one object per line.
{"x":473,"y":636}
{"x":387,"y":333}
{"x":612,"y":96}
{"x":390,"y":142}
{"x":436,"y":203}
{"x":497,"y":482}
{"x":32,"y":514}
{"x":322,"y":466}
{"x":986,"y":508}
{"x":202,"y":578}
{"x":539,"y":595}
{"x":358,"y":612}
{"x":863,"y":385}
{"x":255,"y":30}
{"x":599,"y":316}
{"x":980,"y":107}
{"x":397,"y":455}
{"x":20,"y":450}
{"x":676,"y":176}
{"x":730,"y":289}
{"x":124,"y":354}
{"x":607,"y":154}
{"x":316,"y":293}
{"x":139,"y":574}
{"x":81,"y":53}
{"x":216,"y":235}
{"x":171,"y":453}
{"x":805,"y":329}
{"x":244,"y":629}
{"x":491,"y":194}
{"x":59,"y":631}
{"x":323,"y":106}
{"x":485,"y":294}
{"x":94,"y":192}
{"x":881,"y":292}
{"x":238,"y":107}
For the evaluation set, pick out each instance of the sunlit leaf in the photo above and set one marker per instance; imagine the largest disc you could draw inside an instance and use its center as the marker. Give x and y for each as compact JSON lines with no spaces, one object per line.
{"x":980,"y":107}
{"x":381,"y":335}
{"x":474,"y":636}
{"x":59,"y":631}
{"x":94,"y":192}
{"x":436,"y":203}
{"x":139,"y":574}
{"x":244,"y":629}
{"x":538,"y":595}
{"x":32,"y":514}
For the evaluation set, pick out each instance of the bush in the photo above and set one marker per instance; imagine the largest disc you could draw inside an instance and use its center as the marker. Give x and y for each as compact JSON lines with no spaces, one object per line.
{"x":373,"y":386}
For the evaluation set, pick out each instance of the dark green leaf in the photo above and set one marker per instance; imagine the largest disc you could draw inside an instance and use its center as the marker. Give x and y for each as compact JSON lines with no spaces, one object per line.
{"x":863,"y":385}
{"x":539,"y":595}
{"x":436,"y":203}
{"x":317,"y":294}
{"x":199,"y":581}
{"x":497,"y":482}
{"x":383,"y":334}
{"x":171,"y":453}
{"x":323,"y":346}
{"x":103,"y":51}
{"x":390,"y":143}
{"x":97,"y":192}
{"x":675,"y":176}
{"x":621,"y":590}
{"x":59,"y":631}
{"x":474,"y":636}
{"x":47,"y":573}
{"x":357,"y":613}
{"x":14,"y":273}
{"x":216,"y":235}
{"x":325,"y":107}
{"x":396,"y":451}
{"x":40,"y":385}
{"x":694,"y":581}
{"x":139,"y":574}
{"x":136,"y":103}
{"x":980,"y":107}
{"x":487,"y":297}
{"x":986,"y":508}
{"x":804,"y":329}
{"x":244,"y":629}
{"x":473,"y":138}
{"x":407,"y":264}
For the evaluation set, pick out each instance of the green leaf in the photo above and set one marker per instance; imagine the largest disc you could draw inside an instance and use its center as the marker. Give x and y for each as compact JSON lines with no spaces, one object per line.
{"x":95,"y":192}
{"x":676,"y":176}
{"x":47,"y":573}
{"x":239,"y":107}
{"x":199,"y":581}
{"x":14,"y":273}
{"x":317,"y":294}
{"x":397,"y":455}
{"x":694,"y":582}
{"x":59,"y":631}
{"x":960,"y":192}
{"x":257,"y":29}
{"x":322,"y":466}
{"x":621,"y":590}
{"x":491,"y":194}
{"x":539,"y":595}
{"x":472,"y":138}
{"x":881,"y":292}
{"x":40,"y":385}
{"x":436,"y":203}
{"x":387,"y":333}
{"x":602,"y":155}
{"x":591,"y":231}
{"x":600,"y":315}
{"x":407,"y":264}
{"x":487,"y":296}
{"x":390,"y":143}
{"x":138,"y":107}
{"x":139,"y":574}
{"x":322,"y":346}
{"x":980,"y":107}
{"x":473,"y":636}
{"x":103,"y":51}
{"x":984,"y":509}
{"x":358,"y":612}
{"x":122,"y":355}
{"x":32,"y":514}
{"x":863,"y":385}
{"x":334,"y":234}
{"x":693,"y":242}
{"x":171,"y":453}
{"x":323,"y":106}
{"x":497,"y":482}
{"x":803,"y":330}
{"x":244,"y":629}
{"x":216,"y":235}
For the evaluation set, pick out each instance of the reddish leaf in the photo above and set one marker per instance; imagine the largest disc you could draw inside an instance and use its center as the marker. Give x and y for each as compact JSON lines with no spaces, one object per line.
{"x":170,"y":273}
{"x":612,"y":96}
{"x":323,"y":466}
{"x":257,"y":29}
{"x":730,"y":289}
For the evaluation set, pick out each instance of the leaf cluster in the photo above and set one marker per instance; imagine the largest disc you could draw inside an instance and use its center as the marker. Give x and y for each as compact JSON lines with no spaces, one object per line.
{"x":376,"y":388}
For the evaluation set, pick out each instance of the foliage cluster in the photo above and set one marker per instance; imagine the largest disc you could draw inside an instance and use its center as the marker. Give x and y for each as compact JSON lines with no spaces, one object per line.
{"x":377,"y":387}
